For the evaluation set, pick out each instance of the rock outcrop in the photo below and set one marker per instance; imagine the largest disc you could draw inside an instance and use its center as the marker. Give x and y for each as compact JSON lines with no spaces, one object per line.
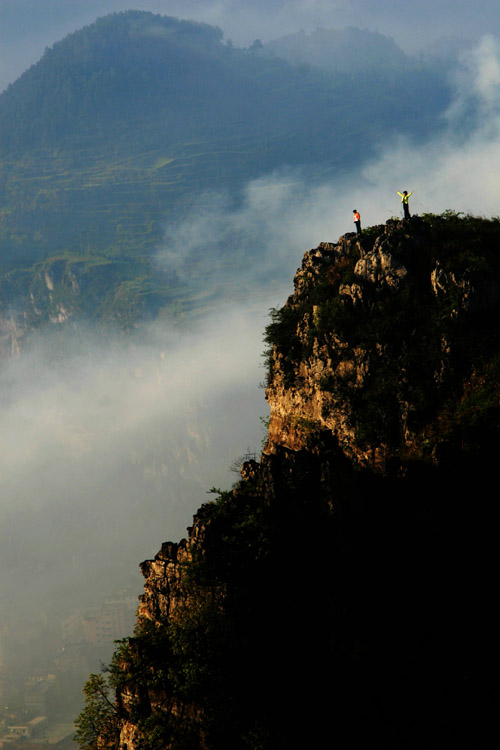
{"x":342,"y":592}
{"x":381,"y":340}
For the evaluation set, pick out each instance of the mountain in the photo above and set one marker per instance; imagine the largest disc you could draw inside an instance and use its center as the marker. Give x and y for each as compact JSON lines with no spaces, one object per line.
{"x":121,"y":127}
{"x":343,"y":588}
{"x":349,"y":50}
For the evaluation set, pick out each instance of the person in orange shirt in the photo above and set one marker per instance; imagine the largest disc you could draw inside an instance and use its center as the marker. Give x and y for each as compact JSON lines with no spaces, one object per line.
{"x":357,"y":220}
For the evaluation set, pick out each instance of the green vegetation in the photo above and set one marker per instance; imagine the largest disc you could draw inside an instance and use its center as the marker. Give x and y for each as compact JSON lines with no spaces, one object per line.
{"x":96,"y":720}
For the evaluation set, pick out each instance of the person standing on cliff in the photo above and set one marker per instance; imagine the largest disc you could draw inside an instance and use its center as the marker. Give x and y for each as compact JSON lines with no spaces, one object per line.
{"x":357,"y":220}
{"x":405,"y":196}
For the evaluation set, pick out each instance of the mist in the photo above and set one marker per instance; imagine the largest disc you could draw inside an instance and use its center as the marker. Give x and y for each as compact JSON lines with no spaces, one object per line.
{"x":109,"y":447}
{"x":280,"y":215}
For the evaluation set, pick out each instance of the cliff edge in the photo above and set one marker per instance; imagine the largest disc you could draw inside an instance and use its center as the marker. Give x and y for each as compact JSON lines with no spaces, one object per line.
{"x":342,"y":592}
{"x":388,"y":342}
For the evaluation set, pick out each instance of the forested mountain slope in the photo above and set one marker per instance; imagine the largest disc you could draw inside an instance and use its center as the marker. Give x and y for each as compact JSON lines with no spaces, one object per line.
{"x":350,"y":50}
{"x":121,"y":125}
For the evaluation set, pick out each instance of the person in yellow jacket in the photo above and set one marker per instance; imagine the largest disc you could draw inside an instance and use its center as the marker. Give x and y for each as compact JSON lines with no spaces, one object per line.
{"x":405,"y":195}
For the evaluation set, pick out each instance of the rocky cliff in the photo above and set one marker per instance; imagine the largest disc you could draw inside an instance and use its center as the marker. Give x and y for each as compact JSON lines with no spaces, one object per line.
{"x":342,"y":592}
{"x":387,"y":342}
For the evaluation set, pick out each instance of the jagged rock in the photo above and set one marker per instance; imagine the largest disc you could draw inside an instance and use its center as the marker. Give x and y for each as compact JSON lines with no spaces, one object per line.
{"x":440,"y":280}
{"x":249,"y":469}
{"x":353,"y":291}
{"x":479,"y":291}
{"x":380,"y":266}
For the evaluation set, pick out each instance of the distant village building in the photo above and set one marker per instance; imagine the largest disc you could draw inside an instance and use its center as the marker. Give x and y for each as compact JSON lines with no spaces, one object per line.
{"x":30,"y":735}
{"x":100,"y":626}
{"x":72,"y":629}
{"x":114,"y":619}
{"x":82,"y":633}
{"x":35,"y":694}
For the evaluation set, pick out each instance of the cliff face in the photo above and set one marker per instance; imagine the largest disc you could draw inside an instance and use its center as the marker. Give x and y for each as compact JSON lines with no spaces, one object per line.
{"x":342,"y":589}
{"x":71,"y":289}
{"x":46,"y":294}
{"x":387,"y":342}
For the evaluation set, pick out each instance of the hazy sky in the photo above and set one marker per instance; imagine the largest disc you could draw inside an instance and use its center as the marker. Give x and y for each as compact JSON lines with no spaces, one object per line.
{"x":28,"y":26}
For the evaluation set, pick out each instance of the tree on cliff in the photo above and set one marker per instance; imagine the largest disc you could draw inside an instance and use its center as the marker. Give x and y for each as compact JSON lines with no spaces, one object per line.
{"x":96,"y":723}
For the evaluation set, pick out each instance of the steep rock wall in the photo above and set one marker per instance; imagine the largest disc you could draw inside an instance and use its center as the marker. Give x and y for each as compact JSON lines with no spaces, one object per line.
{"x":378,"y":337}
{"x":343,"y":589}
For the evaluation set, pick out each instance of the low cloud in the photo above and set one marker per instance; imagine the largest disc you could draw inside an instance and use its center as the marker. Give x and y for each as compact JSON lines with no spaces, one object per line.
{"x":457,"y":169}
{"x":107,"y":450}
{"x":279,"y":215}
{"x":257,"y":241}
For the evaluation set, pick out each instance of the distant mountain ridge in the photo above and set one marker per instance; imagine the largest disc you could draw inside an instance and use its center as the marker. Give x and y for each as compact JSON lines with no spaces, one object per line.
{"x":348,"y":50}
{"x":121,"y":125}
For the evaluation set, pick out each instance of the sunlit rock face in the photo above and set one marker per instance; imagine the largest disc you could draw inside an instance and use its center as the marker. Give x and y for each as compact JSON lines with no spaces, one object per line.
{"x":349,"y":572}
{"x":381,"y":330}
